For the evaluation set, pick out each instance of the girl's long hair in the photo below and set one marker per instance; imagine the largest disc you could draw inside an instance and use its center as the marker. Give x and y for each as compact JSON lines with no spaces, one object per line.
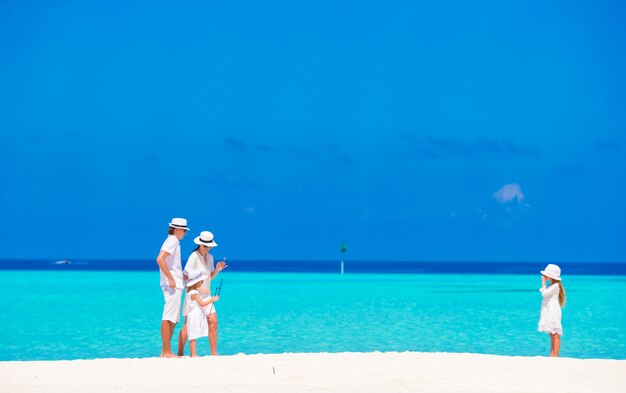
{"x":561,"y":292}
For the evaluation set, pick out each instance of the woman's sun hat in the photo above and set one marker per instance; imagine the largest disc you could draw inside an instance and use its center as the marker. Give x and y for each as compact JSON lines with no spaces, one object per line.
{"x":195,"y":276}
{"x":179,"y":223}
{"x":205,"y":239}
{"x":552,"y":271}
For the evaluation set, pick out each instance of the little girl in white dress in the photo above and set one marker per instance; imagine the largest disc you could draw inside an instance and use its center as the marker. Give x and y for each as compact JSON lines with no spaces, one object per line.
{"x":193,"y":309}
{"x":553,"y":300}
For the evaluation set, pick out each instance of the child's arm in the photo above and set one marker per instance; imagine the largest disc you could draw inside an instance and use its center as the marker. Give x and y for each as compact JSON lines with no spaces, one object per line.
{"x":203,"y":303}
{"x":551,"y":290}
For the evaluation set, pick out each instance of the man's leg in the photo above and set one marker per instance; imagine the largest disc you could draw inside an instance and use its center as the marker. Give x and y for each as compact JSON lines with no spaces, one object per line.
{"x":171,"y":314}
{"x":167,"y":329}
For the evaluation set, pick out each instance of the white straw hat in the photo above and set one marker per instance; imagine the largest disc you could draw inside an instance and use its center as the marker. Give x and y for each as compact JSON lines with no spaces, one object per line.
{"x":179,"y":223}
{"x":205,"y":239}
{"x":195,"y":276}
{"x":552,"y":271}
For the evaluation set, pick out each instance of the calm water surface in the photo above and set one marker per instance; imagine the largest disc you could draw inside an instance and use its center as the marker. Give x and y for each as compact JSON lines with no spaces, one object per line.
{"x":95,"y":314}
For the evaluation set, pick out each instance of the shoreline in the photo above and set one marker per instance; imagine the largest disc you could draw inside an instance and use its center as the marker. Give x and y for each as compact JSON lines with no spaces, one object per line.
{"x":320,"y":372}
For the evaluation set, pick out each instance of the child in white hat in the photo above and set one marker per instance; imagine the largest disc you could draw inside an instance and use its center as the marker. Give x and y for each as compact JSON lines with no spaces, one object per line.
{"x":553,"y":300}
{"x":193,"y":309}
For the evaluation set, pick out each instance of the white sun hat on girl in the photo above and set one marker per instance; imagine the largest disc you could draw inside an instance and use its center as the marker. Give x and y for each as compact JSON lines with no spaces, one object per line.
{"x":552,"y":271}
{"x":195,"y":276}
{"x":205,"y":239}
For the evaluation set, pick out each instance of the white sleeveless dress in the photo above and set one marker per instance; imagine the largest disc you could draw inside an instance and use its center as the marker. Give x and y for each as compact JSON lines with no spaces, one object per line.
{"x":197,"y":325}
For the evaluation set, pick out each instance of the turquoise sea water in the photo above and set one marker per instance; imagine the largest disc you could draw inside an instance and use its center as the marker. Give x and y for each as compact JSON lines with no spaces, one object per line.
{"x":95,"y":314}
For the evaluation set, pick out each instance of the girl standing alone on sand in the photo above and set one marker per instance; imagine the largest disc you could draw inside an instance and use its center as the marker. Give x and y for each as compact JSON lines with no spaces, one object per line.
{"x":553,"y":301}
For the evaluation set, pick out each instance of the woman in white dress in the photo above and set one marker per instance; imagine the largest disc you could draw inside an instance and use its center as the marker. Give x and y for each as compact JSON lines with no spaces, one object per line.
{"x":553,"y":300}
{"x":193,"y":309}
{"x":202,"y":260}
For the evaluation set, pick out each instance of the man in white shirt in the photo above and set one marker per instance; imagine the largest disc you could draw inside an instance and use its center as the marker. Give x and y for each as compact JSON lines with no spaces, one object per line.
{"x":171,"y":272}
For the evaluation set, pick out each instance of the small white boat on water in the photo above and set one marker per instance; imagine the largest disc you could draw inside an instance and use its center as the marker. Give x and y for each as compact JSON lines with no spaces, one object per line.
{"x":63,"y":262}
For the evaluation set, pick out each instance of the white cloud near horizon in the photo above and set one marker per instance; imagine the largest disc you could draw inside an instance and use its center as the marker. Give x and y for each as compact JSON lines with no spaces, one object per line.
{"x":508,"y":193}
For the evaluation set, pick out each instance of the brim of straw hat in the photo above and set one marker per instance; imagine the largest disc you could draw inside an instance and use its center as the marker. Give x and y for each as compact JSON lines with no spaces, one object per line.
{"x":550,"y":275}
{"x":202,"y":278}
{"x":201,"y":243}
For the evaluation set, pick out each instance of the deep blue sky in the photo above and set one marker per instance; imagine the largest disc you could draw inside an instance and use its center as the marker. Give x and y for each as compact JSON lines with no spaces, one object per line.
{"x":288,"y":127}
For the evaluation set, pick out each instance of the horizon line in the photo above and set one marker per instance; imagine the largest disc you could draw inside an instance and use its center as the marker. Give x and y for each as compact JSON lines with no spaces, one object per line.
{"x":306,"y":260}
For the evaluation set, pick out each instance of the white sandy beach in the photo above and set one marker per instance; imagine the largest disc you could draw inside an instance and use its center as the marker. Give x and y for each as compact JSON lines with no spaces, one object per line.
{"x":319,"y":372}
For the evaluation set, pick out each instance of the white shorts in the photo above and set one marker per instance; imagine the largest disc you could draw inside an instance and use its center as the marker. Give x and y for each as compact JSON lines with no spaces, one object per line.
{"x":171,"y":310}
